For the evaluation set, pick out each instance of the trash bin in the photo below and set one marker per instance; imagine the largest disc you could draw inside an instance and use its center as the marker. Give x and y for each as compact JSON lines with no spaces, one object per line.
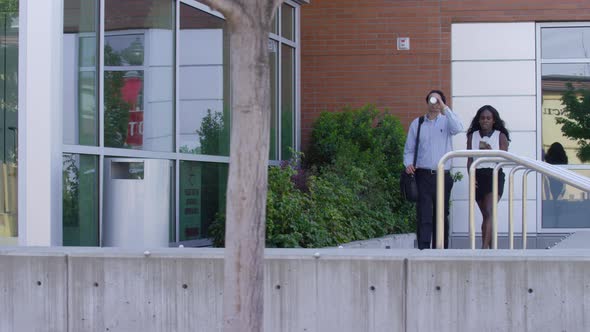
{"x":136,"y":202}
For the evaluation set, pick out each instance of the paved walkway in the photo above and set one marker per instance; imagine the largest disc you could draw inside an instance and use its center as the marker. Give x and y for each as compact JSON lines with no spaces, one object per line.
{"x":577,"y":240}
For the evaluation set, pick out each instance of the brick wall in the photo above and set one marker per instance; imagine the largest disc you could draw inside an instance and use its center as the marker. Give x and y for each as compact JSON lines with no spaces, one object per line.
{"x":349,"y":54}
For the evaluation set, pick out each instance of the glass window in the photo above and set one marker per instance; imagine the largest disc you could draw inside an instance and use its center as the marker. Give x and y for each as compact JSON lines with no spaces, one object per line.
{"x":565,"y":206}
{"x":274,"y":94}
{"x":565,"y":116}
{"x":274,"y":26}
{"x":288,"y":22}
{"x":8,"y":121}
{"x":202,"y":197}
{"x":287,"y":101}
{"x":80,"y":200}
{"x":139,"y":75}
{"x":565,"y":43}
{"x":80,"y":111}
{"x":203,"y":106}
{"x":558,"y":80}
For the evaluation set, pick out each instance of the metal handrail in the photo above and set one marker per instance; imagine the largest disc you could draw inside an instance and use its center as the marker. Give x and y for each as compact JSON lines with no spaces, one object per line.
{"x":559,"y":173}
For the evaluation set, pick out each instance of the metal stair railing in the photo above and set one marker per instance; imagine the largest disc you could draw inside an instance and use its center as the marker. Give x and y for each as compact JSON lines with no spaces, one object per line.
{"x":501,"y":158}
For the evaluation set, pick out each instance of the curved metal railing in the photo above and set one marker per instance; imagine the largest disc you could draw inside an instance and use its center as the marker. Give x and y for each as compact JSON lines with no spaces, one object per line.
{"x":501,"y":158}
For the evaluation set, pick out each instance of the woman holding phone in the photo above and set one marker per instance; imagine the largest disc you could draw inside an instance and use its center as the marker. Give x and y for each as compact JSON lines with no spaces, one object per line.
{"x":487,"y":132}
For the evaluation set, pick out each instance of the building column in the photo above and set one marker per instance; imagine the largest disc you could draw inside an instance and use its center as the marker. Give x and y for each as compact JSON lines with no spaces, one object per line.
{"x":40,"y":122}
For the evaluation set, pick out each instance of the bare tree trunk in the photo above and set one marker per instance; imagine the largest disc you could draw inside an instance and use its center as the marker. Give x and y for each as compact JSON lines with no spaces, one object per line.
{"x":248,"y":22}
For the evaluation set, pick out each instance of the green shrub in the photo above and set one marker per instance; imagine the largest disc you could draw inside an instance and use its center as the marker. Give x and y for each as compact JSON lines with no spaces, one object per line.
{"x":351,"y":187}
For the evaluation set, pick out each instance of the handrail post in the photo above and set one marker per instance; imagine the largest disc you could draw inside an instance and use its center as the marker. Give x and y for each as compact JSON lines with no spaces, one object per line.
{"x":524,"y":202}
{"x":511,"y":203}
{"x":440,"y":205}
{"x":495,"y":208}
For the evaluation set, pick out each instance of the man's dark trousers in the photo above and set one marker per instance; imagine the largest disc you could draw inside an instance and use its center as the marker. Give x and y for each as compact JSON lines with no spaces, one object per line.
{"x":426,"y":207}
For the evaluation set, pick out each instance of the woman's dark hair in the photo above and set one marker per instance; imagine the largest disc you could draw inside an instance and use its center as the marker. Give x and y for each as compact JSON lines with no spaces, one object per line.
{"x":556,"y":154}
{"x":498,"y":122}
{"x":442,"y":95}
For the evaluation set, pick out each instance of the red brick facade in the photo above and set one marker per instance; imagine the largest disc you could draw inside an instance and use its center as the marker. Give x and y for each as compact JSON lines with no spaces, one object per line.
{"x":349,"y":54}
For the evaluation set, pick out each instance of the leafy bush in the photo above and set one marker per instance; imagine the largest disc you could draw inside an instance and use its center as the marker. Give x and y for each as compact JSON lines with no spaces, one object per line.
{"x":350,"y":191}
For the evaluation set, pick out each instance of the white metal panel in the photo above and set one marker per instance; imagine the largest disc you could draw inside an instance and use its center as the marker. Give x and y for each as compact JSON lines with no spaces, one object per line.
{"x":518,"y":112}
{"x":493,"y":78}
{"x":160,"y":43}
{"x":493,"y":41}
{"x":40,"y":138}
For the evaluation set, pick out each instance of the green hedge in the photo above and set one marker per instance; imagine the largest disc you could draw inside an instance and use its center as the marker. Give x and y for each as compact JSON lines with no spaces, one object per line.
{"x":345,"y":189}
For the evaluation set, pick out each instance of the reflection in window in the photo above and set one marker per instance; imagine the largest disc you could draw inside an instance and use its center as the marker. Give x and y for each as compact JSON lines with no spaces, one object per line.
{"x":288,"y":22}
{"x":273,"y":48}
{"x":564,"y":43}
{"x":559,"y":80}
{"x":565,"y":206}
{"x":139,"y":75}
{"x":203,"y":109}
{"x":80,"y":112}
{"x":565,"y":122}
{"x":80,"y":200}
{"x":202,"y":197}
{"x":8,"y":121}
{"x":287,"y":101}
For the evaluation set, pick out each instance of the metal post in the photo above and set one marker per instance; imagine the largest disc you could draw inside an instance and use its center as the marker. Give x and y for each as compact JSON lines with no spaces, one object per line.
{"x":524,"y":216}
{"x":440,"y":205}
{"x":511,"y":203}
{"x":495,"y":207}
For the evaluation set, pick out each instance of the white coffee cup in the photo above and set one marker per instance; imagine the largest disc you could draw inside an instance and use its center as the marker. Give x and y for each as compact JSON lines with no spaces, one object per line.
{"x":433,"y":100}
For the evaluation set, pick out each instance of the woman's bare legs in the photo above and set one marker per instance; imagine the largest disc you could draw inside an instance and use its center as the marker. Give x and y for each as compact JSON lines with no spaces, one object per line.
{"x":485,"y":206}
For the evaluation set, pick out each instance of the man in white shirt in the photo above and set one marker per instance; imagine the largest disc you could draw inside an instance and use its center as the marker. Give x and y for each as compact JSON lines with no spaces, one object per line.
{"x":440,"y":124}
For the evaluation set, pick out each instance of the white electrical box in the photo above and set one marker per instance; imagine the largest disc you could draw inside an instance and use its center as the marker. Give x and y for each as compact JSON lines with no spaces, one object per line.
{"x":403,"y":43}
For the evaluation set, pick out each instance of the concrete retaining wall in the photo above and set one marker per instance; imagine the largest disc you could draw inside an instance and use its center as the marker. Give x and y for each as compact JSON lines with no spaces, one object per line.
{"x":342,"y":290}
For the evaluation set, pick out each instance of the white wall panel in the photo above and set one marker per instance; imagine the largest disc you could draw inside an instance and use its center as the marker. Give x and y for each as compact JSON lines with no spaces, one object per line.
{"x":493,"y":41}
{"x":460,"y":217}
{"x":160,"y":42}
{"x":503,"y":78}
{"x":518,"y":112}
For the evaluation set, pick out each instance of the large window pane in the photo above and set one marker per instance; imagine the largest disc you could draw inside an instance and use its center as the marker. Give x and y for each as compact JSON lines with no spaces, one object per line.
{"x":555,"y":78}
{"x":8,"y":121}
{"x":565,"y":206}
{"x":80,"y":200}
{"x":274,"y":95}
{"x":288,"y":22}
{"x":287,"y":101}
{"x":139,"y":75}
{"x":564,"y":43}
{"x":124,"y":126}
{"x":202,"y":196}
{"x":204,"y":113}
{"x":80,"y":112}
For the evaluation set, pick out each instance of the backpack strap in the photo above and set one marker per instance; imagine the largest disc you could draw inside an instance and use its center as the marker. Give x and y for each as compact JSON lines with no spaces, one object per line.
{"x":417,"y":139}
